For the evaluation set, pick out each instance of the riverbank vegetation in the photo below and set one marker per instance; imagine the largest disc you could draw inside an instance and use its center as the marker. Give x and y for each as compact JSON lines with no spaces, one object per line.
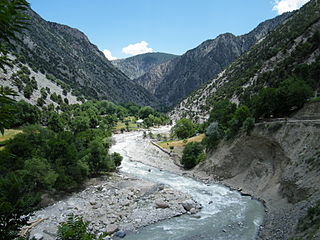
{"x":50,"y":151}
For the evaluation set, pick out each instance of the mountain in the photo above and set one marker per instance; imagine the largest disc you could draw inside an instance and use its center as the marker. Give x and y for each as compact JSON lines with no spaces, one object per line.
{"x":138,"y":65}
{"x":65,"y":55}
{"x":291,"y":49}
{"x":174,"y":80}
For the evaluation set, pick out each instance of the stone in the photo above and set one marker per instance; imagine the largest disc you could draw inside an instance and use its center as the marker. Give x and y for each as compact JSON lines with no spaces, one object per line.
{"x":112,"y":228}
{"x":188,"y":204}
{"x":38,"y":236}
{"x":160,"y":204}
{"x":120,"y":234}
{"x":193,"y":211}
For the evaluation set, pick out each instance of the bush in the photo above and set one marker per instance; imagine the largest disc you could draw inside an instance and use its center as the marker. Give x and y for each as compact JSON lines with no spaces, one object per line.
{"x":248,"y":125}
{"x":184,"y":128}
{"x":117,"y":158}
{"x":192,"y":154}
{"x":74,"y":229}
{"x":213,"y":135}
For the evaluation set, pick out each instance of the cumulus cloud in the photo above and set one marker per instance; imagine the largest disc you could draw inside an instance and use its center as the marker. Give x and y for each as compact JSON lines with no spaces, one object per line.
{"x":108,"y":55}
{"x":288,"y":5}
{"x":137,"y":48}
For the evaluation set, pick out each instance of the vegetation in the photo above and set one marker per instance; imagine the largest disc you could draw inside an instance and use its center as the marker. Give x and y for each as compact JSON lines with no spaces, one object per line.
{"x":75,"y":228}
{"x":184,"y":128}
{"x":193,"y":153}
{"x":7,"y":108}
{"x":181,"y":143}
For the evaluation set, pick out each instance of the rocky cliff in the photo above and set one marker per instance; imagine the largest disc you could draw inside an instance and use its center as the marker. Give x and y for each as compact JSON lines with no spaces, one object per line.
{"x":66,"y":55}
{"x":292,"y":49}
{"x":279,"y":163}
{"x":176,"y":79}
{"x":136,"y":66}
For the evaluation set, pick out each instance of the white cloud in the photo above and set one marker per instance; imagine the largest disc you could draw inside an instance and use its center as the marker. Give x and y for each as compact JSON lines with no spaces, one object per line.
{"x":137,"y":48}
{"x":108,"y":55}
{"x":288,"y":5}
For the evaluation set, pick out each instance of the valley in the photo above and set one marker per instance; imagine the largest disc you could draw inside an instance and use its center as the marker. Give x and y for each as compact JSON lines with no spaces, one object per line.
{"x":218,"y":142}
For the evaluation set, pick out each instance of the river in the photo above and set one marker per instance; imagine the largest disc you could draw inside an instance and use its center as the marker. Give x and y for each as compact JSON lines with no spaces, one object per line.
{"x":226,"y":214}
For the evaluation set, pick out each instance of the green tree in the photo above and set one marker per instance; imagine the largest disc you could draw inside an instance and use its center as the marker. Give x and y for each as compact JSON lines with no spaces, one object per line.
{"x":55,"y":122}
{"x":193,"y":153}
{"x":222,"y":112}
{"x":292,"y":94}
{"x":146,"y":111}
{"x":16,"y":202}
{"x":213,"y":135}
{"x":25,"y":114}
{"x":184,"y":128}
{"x":97,"y":158}
{"x":239,"y":117}
{"x":40,"y":173}
{"x":117,"y":158}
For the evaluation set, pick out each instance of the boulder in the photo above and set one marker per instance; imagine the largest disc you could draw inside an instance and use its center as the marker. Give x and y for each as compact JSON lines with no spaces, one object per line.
{"x":112,"y":228}
{"x":193,"y":211}
{"x":188,"y":205}
{"x":120,"y":234}
{"x":161,"y":204}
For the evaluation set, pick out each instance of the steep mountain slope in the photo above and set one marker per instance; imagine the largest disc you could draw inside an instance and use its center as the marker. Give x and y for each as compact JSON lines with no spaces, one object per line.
{"x":173,"y":81}
{"x":292,"y":49}
{"x":138,"y":65}
{"x":66,"y":54}
{"x":278,"y":162}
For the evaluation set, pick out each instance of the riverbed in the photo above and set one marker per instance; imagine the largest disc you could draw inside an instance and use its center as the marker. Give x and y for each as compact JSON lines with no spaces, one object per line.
{"x":225,"y":214}
{"x":147,"y":199}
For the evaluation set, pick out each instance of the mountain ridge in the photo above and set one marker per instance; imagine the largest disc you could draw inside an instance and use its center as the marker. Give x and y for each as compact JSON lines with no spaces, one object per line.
{"x":173,"y":81}
{"x":67,"y":55}
{"x":138,"y":65}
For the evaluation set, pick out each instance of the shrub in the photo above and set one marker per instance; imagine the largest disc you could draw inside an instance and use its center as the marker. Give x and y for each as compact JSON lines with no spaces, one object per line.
{"x":213,"y":135}
{"x":117,"y":158}
{"x":74,"y":229}
{"x":192,"y":154}
{"x":184,"y":128}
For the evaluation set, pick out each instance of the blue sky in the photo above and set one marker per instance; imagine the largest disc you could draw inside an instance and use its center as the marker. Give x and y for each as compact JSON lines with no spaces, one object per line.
{"x":172,"y":26}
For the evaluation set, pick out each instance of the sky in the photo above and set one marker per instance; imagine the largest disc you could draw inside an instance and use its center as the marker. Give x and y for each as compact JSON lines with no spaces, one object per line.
{"x":123,"y":28}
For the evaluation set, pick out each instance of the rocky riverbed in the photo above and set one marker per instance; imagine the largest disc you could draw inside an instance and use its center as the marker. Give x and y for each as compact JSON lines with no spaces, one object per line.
{"x":117,"y":202}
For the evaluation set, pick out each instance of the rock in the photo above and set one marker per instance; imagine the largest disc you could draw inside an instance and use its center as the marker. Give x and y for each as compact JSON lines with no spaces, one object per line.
{"x":210,"y":202}
{"x":193,"y":211}
{"x":38,"y":236}
{"x":160,"y":204}
{"x":93,"y":203}
{"x":120,"y":234}
{"x":188,"y":205}
{"x":112,"y":228}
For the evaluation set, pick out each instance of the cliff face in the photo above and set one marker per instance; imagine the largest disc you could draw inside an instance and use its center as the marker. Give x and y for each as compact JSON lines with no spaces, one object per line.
{"x":68,"y":56}
{"x":136,"y":66}
{"x":292,"y":49}
{"x":279,"y":163}
{"x":176,"y":79}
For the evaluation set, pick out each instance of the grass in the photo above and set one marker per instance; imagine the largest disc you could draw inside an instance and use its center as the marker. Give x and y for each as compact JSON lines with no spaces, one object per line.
{"x":181,"y":143}
{"x":8,"y":134}
{"x":121,"y":124}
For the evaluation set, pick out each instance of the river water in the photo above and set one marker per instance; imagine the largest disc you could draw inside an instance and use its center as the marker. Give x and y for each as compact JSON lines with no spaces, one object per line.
{"x":226,"y":215}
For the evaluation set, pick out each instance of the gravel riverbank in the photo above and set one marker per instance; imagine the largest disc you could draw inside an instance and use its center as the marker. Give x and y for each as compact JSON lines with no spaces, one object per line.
{"x":118,"y":202}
